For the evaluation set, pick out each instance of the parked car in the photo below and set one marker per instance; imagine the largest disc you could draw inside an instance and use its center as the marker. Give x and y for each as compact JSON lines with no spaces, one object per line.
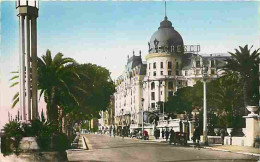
{"x":180,"y":138}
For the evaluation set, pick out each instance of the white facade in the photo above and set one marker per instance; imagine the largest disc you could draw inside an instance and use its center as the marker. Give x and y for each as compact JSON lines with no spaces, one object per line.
{"x":165,"y":70}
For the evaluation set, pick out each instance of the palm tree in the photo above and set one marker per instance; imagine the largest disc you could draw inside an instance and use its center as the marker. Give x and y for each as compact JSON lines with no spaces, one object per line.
{"x":54,"y":78}
{"x":246,"y":64}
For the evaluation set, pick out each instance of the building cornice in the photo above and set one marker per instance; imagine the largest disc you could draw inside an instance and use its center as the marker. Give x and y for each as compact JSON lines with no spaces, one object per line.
{"x":152,"y":55}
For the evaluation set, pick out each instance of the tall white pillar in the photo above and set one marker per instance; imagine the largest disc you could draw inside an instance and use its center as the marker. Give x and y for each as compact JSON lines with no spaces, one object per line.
{"x":28,"y":67}
{"x":22,"y":67}
{"x":28,"y":11}
{"x":205,"y":138}
{"x":34,"y":67}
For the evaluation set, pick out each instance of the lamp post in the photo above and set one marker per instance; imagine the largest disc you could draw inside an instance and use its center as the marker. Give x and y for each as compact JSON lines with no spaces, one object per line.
{"x":142,"y":115}
{"x":205,"y":129}
{"x":122,"y":123}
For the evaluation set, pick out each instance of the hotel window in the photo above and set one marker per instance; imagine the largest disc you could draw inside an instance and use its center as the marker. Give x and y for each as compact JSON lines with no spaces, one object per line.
{"x":153,"y":95}
{"x":212,"y":71}
{"x":161,"y":72}
{"x":169,"y":72}
{"x":152,"y":85}
{"x":154,"y":65}
{"x":177,"y":72}
{"x":212,"y":63}
{"x":177,"y":65}
{"x":197,"y":72}
{"x":149,"y":65}
{"x":170,"y":85}
{"x":153,"y":105}
{"x":154,"y":73}
{"x":170,"y":94}
{"x":161,"y":65}
{"x":186,"y":72}
{"x":169,"y":65}
{"x":197,"y":63}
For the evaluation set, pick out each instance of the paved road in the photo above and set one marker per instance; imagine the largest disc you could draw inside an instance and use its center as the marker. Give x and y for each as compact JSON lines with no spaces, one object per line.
{"x":105,"y":148}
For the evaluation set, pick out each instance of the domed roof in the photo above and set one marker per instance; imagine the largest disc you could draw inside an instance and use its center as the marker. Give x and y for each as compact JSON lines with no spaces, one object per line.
{"x":165,"y":36}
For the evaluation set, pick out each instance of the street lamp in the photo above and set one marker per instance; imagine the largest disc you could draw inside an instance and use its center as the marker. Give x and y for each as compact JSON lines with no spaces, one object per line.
{"x":122,"y":123}
{"x":142,"y":115}
{"x":205,"y":130}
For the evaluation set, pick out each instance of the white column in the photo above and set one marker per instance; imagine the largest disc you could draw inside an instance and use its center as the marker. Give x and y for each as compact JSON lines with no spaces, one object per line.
{"x":28,"y":67}
{"x":204,"y":114}
{"x":159,"y":93}
{"x":34,"y":67}
{"x":22,"y":67}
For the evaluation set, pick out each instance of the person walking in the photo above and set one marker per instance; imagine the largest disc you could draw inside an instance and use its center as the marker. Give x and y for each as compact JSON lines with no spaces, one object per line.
{"x":222,"y":134}
{"x":167,"y":134}
{"x":114,"y":132}
{"x":163,"y":132}
{"x":196,"y":137}
{"x":172,"y":133}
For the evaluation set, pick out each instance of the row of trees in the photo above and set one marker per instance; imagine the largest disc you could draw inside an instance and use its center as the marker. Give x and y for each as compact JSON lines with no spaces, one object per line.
{"x":227,"y":96}
{"x":73,"y":92}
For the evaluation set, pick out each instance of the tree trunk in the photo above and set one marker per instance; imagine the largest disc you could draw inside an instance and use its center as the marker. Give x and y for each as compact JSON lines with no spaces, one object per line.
{"x":245,"y":95}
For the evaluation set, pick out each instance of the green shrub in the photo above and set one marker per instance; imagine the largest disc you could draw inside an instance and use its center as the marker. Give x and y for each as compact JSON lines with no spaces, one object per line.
{"x":45,"y":133}
{"x":44,"y":137}
{"x":60,"y":142}
{"x":14,"y":134}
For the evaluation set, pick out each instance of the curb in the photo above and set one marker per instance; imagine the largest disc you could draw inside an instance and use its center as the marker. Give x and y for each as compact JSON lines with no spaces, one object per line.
{"x":88,"y":145}
{"x":238,"y":152}
{"x":85,"y":146}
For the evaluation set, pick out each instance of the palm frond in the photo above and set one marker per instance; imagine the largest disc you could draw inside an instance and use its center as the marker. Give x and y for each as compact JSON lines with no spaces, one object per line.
{"x":14,"y":84}
{"x":15,"y":96}
{"x":14,"y":77}
{"x":15,"y":102}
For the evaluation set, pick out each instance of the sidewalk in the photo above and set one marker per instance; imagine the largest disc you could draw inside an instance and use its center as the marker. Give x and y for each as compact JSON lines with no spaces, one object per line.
{"x":236,"y":149}
{"x":226,"y":148}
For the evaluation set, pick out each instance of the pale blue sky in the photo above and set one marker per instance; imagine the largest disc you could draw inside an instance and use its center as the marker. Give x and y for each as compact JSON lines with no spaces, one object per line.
{"x":104,"y":33}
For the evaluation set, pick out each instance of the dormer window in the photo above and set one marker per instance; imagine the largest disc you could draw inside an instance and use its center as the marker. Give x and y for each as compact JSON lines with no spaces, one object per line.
{"x":197,"y":64}
{"x":212,"y":63}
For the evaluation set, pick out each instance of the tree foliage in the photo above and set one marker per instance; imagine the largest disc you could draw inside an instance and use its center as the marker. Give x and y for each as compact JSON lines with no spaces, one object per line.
{"x":246,"y":64}
{"x":71,"y":90}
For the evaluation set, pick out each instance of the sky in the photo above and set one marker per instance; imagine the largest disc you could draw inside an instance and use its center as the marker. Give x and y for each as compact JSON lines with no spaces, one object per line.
{"x":104,"y":33}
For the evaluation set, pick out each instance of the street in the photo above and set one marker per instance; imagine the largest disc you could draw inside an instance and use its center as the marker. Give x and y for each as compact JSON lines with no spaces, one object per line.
{"x":106,"y":148}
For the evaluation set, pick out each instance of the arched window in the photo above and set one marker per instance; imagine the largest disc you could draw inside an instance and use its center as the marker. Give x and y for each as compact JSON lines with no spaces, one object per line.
{"x":152,"y":85}
{"x":170,"y":85}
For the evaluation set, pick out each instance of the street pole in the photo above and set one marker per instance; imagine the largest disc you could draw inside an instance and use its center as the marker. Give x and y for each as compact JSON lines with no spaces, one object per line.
{"x":205,"y":131}
{"x":163,"y":110}
{"x":142,"y":116}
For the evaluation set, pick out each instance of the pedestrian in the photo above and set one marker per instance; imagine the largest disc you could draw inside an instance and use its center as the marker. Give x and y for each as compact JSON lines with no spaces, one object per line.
{"x":196,"y":137}
{"x":166,"y":134}
{"x":222,"y":134}
{"x":163,"y":132}
{"x":172,"y":136}
{"x":155,"y":133}
{"x":114,"y":132}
